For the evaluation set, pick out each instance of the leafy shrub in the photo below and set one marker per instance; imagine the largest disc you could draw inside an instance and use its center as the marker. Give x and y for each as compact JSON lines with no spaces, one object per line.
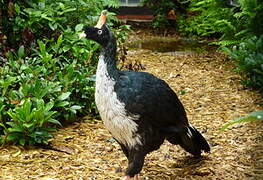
{"x":29,"y":122}
{"x":249,"y":58}
{"x":250,"y":17}
{"x":232,"y":21}
{"x":213,"y":17}
{"x":161,"y":9}
{"x":48,"y":74}
{"x":26,"y":21}
{"x":237,"y":23}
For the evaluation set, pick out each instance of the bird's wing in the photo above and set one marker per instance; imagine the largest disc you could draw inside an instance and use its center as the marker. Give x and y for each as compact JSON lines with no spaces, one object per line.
{"x":151,"y":98}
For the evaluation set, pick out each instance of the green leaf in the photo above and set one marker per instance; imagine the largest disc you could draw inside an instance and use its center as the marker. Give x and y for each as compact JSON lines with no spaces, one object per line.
{"x":27,"y":109}
{"x":42,"y":92}
{"x":28,"y":125}
{"x":40,"y":103}
{"x":59,"y":41}
{"x":1,"y":124}
{"x":64,"y":96}
{"x":11,"y":137}
{"x":52,"y":25}
{"x":13,"y":116}
{"x":54,"y":121}
{"x":49,"y":114}
{"x":21,"y":52}
{"x":182,"y":92}
{"x":254,"y":116}
{"x":62,"y":104}
{"x":49,"y":106}
{"x":42,"y":47}
{"x":75,"y":107}
{"x":66,"y":48}
{"x":79,"y":27}
{"x":69,"y":10}
{"x":39,"y":133}
{"x":16,"y":129}
{"x":12,"y":124}
{"x":44,"y":16}
{"x":22,"y":141}
{"x":17,"y":8}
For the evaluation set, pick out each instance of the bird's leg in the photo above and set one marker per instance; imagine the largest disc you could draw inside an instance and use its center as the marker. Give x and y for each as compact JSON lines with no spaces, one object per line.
{"x":136,"y":177}
{"x":125,"y":150}
{"x":126,"y":178}
{"x":136,"y":161}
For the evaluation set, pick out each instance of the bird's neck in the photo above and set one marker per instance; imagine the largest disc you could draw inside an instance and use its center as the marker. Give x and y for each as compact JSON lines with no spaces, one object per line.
{"x":108,"y":58}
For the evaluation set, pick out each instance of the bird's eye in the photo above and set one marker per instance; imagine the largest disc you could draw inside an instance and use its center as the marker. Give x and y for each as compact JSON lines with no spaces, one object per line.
{"x":99,"y":32}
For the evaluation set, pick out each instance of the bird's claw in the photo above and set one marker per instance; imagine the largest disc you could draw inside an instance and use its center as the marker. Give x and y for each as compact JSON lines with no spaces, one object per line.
{"x":136,"y":177}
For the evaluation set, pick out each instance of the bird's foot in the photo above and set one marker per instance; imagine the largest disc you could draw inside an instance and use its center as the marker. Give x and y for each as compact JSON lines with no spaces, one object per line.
{"x":126,"y":178}
{"x":136,"y":177}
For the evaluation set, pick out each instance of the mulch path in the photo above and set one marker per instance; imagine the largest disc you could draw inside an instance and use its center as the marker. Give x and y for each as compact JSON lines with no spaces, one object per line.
{"x":212,"y":95}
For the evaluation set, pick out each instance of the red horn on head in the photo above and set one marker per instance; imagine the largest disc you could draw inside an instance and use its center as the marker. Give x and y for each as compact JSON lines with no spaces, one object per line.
{"x":102,"y":19}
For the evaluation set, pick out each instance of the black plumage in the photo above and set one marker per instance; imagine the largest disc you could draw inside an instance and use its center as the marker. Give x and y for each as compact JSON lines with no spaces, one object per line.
{"x":141,"y":104}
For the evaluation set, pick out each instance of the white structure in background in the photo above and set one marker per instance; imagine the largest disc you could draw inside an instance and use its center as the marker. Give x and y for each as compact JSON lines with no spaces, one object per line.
{"x":131,"y":2}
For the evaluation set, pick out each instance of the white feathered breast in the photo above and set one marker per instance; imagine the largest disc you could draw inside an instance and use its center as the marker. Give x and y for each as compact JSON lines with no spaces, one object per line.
{"x":112,"y":111}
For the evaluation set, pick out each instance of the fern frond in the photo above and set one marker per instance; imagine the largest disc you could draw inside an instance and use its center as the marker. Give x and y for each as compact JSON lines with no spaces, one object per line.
{"x":226,"y":43}
{"x":111,"y":3}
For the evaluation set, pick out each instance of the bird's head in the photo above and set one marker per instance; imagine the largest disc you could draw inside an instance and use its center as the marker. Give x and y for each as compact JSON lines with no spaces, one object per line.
{"x":99,"y":33}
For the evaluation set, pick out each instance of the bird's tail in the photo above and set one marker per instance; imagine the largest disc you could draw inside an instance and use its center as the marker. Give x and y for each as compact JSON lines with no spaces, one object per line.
{"x":191,"y":140}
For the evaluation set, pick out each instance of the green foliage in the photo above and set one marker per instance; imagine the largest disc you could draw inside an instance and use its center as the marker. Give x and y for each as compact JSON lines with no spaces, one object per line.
{"x":236,"y":23}
{"x":250,"y":17}
{"x":122,"y":33}
{"x":46,"y":18}
{"x":254,"y":116}
{"x":229,"y":20}
{"x":29,"y":122}
{"x":48,"y":75}
{"x":161,"y":9}
{"x":249,"y":58}
{"x":213,"y":18}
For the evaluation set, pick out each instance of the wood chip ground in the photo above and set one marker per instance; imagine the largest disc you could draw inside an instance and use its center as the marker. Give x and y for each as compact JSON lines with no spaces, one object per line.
{"x":212,"y":95}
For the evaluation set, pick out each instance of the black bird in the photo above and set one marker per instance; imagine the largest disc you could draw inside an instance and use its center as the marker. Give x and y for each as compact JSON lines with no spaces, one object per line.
{"x":139,"y":109}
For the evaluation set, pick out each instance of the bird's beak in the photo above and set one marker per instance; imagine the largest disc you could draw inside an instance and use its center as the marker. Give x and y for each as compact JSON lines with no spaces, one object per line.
{"x":82,"y":35}
{"x":102,"y":19}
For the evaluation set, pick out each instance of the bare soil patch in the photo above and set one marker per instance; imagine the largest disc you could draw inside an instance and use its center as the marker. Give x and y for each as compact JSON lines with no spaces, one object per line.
{"x":212,"y":95}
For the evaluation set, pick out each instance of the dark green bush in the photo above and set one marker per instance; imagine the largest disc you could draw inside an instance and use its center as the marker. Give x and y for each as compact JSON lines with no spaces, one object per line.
{"x":249,"y":58}
{"x":231,"y":21}
{"x":235,"y":23}
{"x":29,"y":122}
{"x":161,"y":9}
{"x":47,"y":74}
{"x":210,"y":18}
